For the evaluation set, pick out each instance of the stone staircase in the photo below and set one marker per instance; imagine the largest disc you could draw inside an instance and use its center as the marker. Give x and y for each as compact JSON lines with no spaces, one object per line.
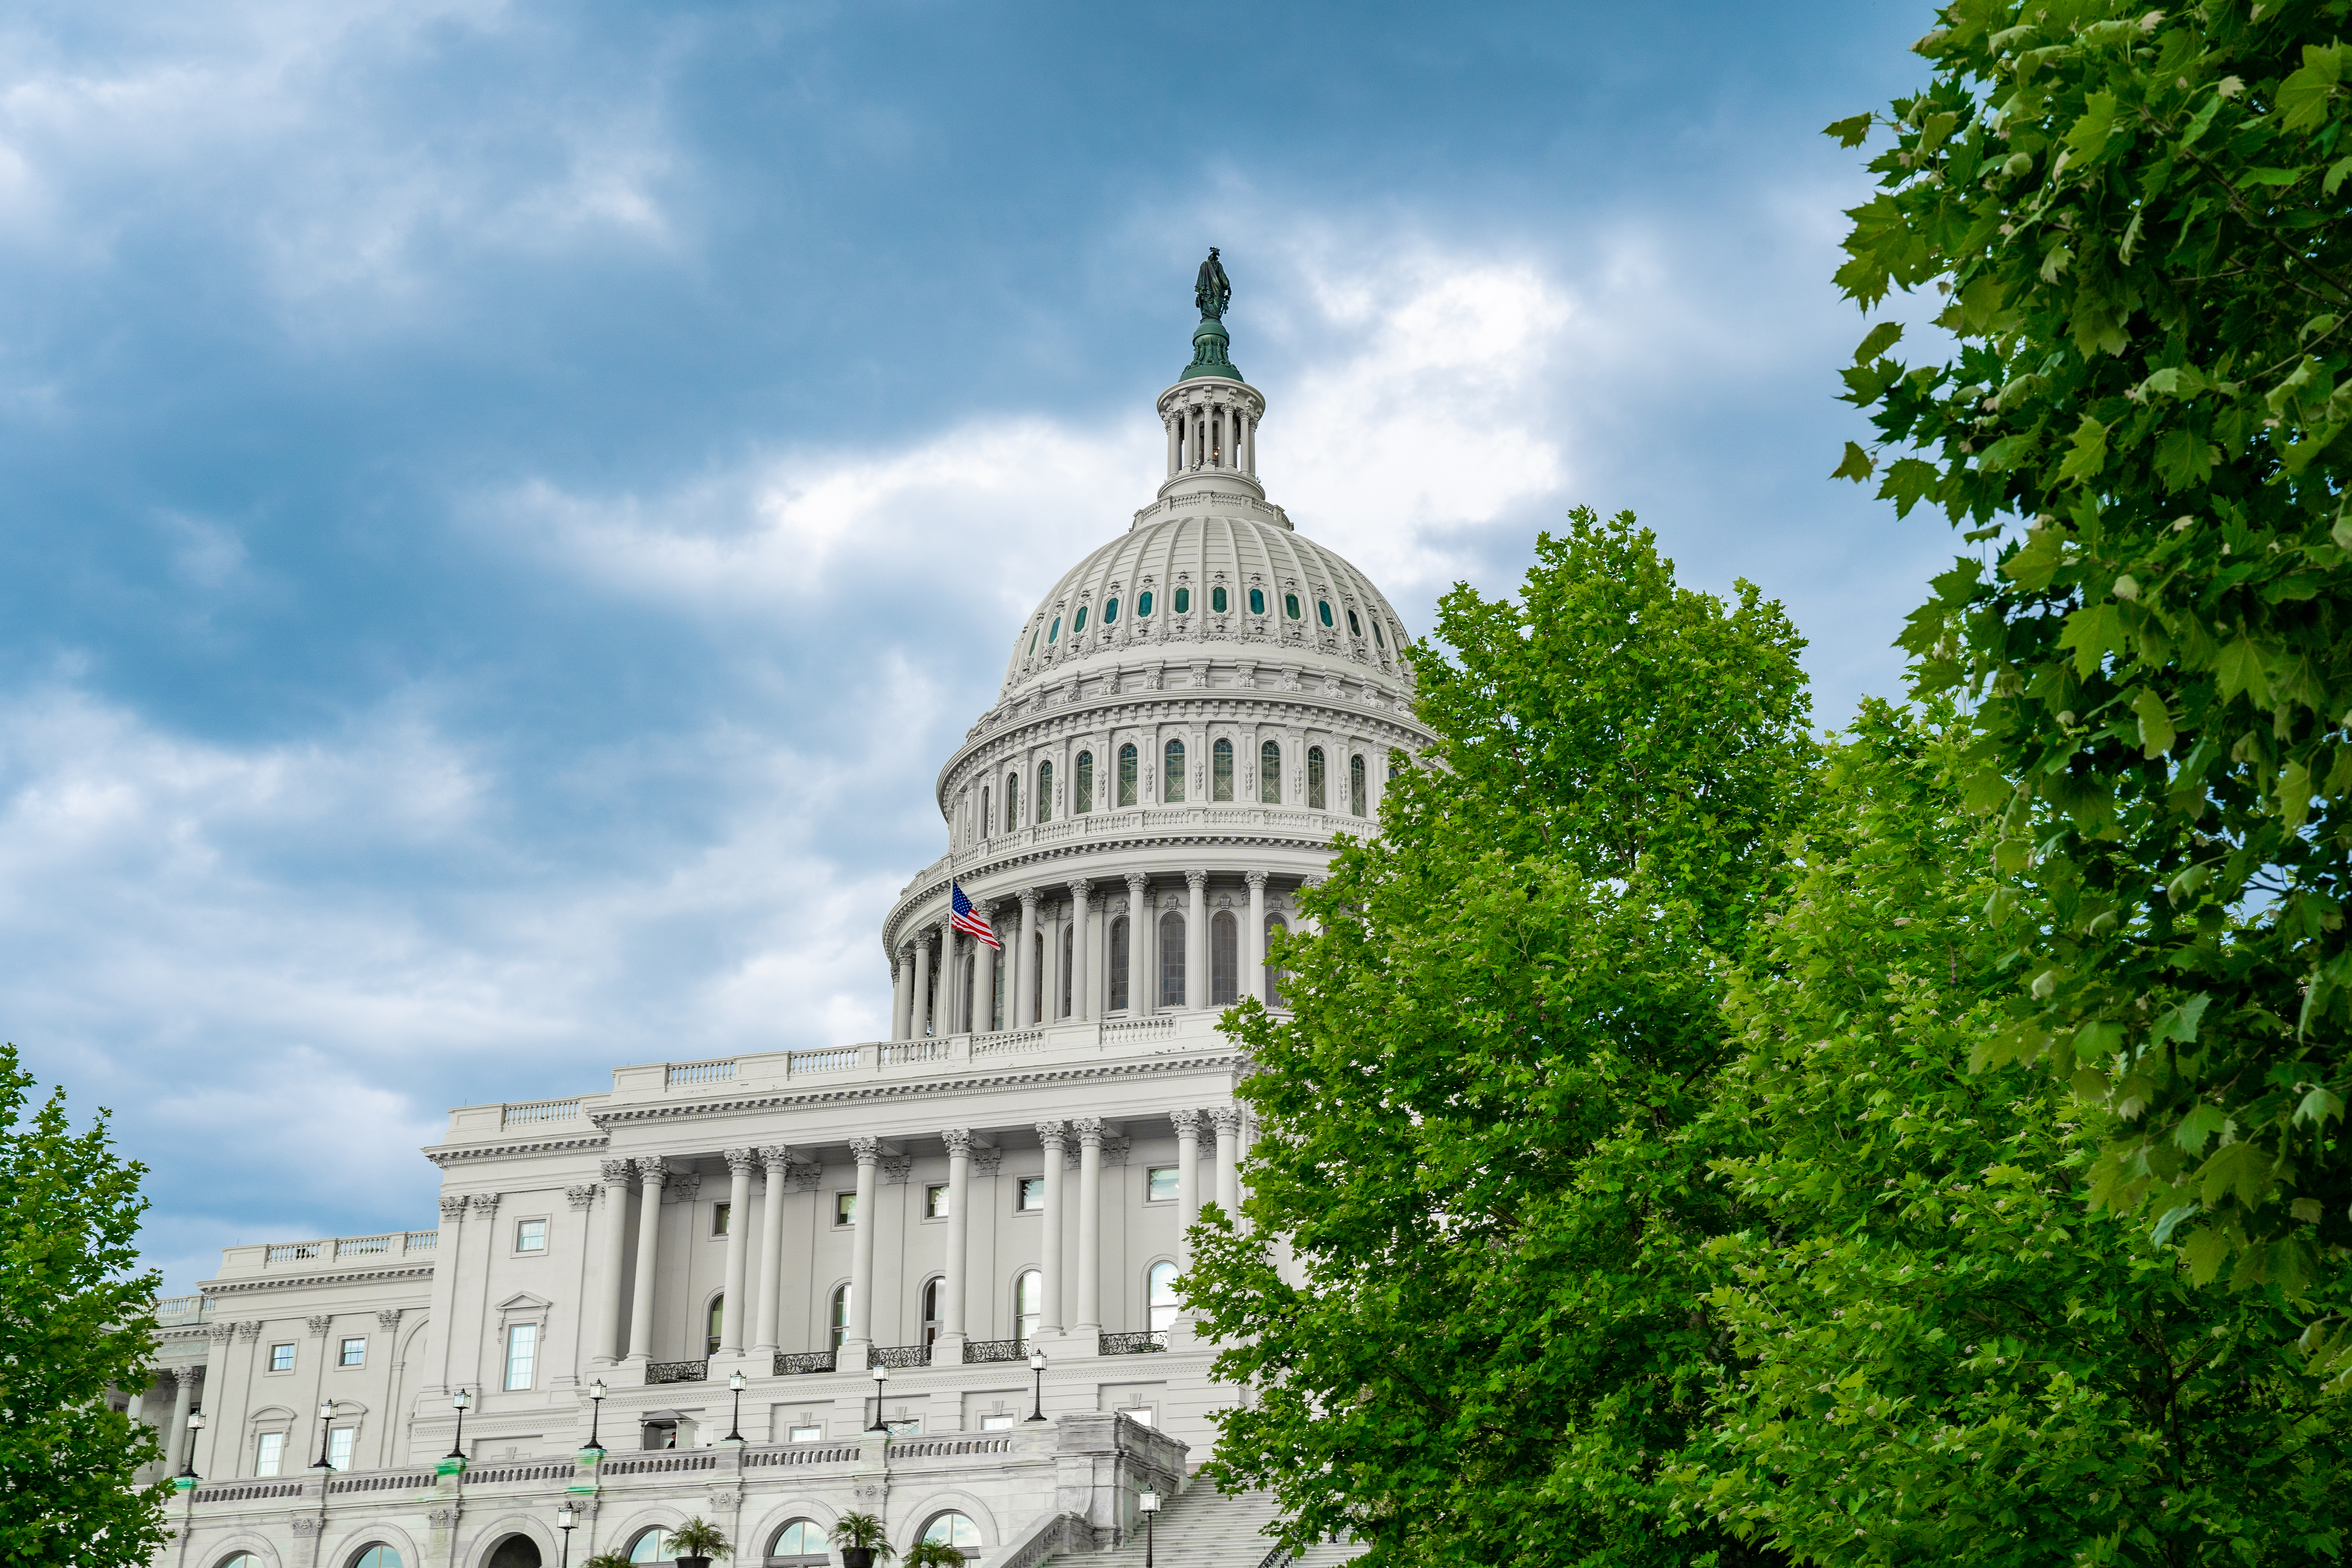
{"x":1205,"y":1527}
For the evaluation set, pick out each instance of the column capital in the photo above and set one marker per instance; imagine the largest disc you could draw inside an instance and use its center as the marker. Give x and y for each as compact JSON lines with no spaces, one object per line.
{"x":452,"y":1204}
{"x":390,"y":1317}
{"x":1054,"y":1133}
{"x":616,"y":1173}
{"x":581,"y":1196}
{"x":1256,"y":880}
{"x":959,"y":1141}
{"x":1089,"y":1129}
{"x":1028,"y":897}
{"x":652,"y":1175}
{"x":1080,"y":887}
{"x":1137,"y":882}
{"x":776,"y":1157}
{"x":1196,"y":880}
{"x":484,"y":1203}
{"x":1226,"y":1118}
{"x":740,"y":1162}
{"x":867,"y":1151}
{"x":320,"y":1326}
{"x":1187,"y":1121}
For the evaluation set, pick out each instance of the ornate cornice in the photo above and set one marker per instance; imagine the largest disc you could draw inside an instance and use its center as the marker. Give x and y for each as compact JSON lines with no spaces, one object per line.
{"x":442,"y":1153}
{"x":295,"y":1282}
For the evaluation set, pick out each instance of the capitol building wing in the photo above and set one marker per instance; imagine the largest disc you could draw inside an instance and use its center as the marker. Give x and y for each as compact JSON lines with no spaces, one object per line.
{"x":930,"y":1277}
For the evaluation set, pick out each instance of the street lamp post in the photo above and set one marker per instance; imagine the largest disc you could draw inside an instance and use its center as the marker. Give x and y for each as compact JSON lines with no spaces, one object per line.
{"x":1150,"y":1504}
{"x":596,"y":1392}
{"x":735,"y":1426}
{"x":881,"y":1380}
{"x":1037,"y":1400}
{"x":196,"y":1424}
{"x":460,"y":1399}
{"x":567,"y":1519}
{"x":326,"y":1413}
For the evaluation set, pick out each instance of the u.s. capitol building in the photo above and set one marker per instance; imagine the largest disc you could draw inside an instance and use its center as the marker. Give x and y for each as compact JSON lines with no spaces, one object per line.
{"x":681,"y":1295}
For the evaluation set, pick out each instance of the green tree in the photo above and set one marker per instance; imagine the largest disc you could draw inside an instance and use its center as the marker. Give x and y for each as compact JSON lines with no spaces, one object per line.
{"x":75,"y":1322}
{"x":1467,"y":1301}
{"x":1941,"y":1356}
{"x":2141,"y":222}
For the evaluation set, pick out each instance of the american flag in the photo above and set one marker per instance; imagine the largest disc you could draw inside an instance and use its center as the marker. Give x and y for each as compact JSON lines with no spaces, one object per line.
{"x":966,"y":919}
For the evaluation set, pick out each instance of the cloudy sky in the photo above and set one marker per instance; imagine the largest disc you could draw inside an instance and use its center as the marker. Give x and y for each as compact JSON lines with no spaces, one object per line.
{"x":508,"y":505}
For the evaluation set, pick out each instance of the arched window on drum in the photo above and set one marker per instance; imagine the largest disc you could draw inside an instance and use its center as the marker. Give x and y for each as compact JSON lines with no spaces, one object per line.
{"x":1314,"y":793}
{"x":1225,"y":958}
{"x":1269,"y":773}
{"x":1127,"y":775}
{"x":1118,"y":965}
{"x":1171,"y":782}
{"x":1046,"y":793}
{"x":1355,"y":787}
{"x":1221,"y":770}
{"x":1082,"y":796}
{"x":1171,"y":960}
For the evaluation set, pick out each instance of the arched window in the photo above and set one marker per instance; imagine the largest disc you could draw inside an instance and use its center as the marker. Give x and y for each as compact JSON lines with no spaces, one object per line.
{"x":1323,"y":611}
{"x":932,"y":1295}
{"x":1171,"y":779}
{"x":1045,"y":792}
{"x":517,"y":1552}
{"x":1377,"y":640}
{"x":802,"y":1543}
{"x":1269,"y":773}
{"x":1069,"y":945}
{"x":1217,"y":601}
{"x":1037,"y":971}
{"x":1159,"y":1295}
{"x":377,"y":1557}
{"x":840,"y":1315}
{"x":1082,"y":798}
{"x":1225,"y":958}
{"x":1221,"y":770}
{"x":1053,"y":632}
{"x":1273,"y":923}
{"x":1080,"y":623}
{"x":1183,"y":601}
{"x":1355,"y":787}
{"x":1257,"y":601}
{"x":1119,"y":928}
{"x":1127,"y":775}
{"x":1171,"y":960}
{"x":652,"y":1546}
{"x":1144,"y":604}
{"x":1355,"y":626}
{"x":1290,"y":605}
{"x":1033,"y":642}
{"x":953,"y":1530}
{"x":714,"y":1320}
{"x":984,"y":818}
{"x":239,"y":1559}
{"x":1012,"y":802}
{"x":1315,"y":777}
{"x":1028,"y":1305}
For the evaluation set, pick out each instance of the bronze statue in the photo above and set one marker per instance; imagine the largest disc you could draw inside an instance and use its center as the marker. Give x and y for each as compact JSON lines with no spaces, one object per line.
{"x":1212,"y":289}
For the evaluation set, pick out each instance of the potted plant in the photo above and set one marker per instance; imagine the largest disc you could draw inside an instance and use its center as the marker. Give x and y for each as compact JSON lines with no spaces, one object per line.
{"x":608,"y":1560}
{"x":696,"y":1542}
{"x":862,"y":1540}
{"x":933,"y":1554}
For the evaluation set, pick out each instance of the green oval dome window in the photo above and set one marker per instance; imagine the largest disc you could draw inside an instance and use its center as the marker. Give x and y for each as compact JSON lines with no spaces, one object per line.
{"x":1290,"y":605}
{"x":1143,"y":603}
{"x":1053,"y":632}
{"x":1183,"y":601}
{"x":1110,"y":612}
{"x":1217,"y":600}
{"x":1257,"y":601}
{"x":1080,"y":623}
{"x":1032,"y":641}
{"x":1355,"y":626}
{"x":1376,"y":633}
{"x":1323,"y":609}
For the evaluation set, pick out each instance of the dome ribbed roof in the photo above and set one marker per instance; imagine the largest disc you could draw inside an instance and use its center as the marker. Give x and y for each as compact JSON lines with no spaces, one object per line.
{"x":1199,"y":554}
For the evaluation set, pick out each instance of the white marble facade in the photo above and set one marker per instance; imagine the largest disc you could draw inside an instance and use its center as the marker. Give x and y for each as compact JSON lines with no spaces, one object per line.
{"x":1186,"y":720}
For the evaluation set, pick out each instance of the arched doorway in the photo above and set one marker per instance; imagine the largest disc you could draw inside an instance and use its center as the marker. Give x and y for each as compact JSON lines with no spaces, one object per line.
{"x":514,"y":1551}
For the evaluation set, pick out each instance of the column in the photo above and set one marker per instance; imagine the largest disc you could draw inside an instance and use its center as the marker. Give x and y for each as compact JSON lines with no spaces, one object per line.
{"x":1082,"y":952}
{"x":1170,"y":427}
{"x":1229,"y":1180}
{"x":1196,"y":940}
{"x":1026,"y":987}
{"x":983,"y":978}
{"x":957,"y":1283}
{"x":1138,"y":943}
{"x":1307,"y":922}
{"x":175,"y":1427}
{"x":651,"y":1177}
{"x":861,"y":1250}
{"x":444,"y":1280}
{"x":1252,"y":955}
{"x":945,"y":1024}
{"x":918,"y":1002}
{"x":776,"y":1160}
{"x":1188,"y":1177}
{"x":1049,"y":1263}
{"x":1050,"y":928}
{"x":1249,"y":446}
{"x":613,"y":1252}
{"x":902,"y":993}
{"x":1089,"y":1129}
{"x":739,"y":1165}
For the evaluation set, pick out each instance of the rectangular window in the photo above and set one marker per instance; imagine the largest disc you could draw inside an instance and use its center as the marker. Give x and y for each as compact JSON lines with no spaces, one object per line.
{"x":531,"y":1235}
{"x":721,"y":1216}
{"x":354,"y":1354}
{"x":935,"y":1202}
{"x":1163,"y":1185}
{"x":845,"y":1208}
{"x":1139,"y":1414}
{"x":996,"y":1423}
{"x":522,"y":1352}
{"x":270,"y":1453}
{"x":804,"y":1435}
{"x":1029,"y":1195}
{"x":339,"y":1447}
{"x":281,"y":1358}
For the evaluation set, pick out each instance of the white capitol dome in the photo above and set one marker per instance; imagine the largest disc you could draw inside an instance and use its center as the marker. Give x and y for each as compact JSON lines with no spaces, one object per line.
{"x":1187,"y":719}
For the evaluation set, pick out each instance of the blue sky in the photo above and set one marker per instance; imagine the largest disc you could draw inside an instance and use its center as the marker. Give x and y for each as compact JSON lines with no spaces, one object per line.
{"x":508,"y":505}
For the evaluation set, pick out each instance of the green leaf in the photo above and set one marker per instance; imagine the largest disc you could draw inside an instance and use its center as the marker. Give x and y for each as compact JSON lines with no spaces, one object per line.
{"x":2088,"y":453}
{"x":2318,"y":1106}
{"x":2240,"y":669}
{"x":2201,"y":1123}
{"x":2089,"y":136}
{"x":2156,"y":732}
{"x":2303,"y":96}
{"x":1880,"y":338}
{"x":2337,"y":172}
{"x":1856,"y":466}
{"x":2092,"y":631}
{"x":1851,"y":132}
{"x":2179,"y":1023}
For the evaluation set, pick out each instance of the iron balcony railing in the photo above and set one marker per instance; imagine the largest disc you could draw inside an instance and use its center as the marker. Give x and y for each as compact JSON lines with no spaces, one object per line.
{"x":990,"y":1349}
{"x":792,"y":1363}
{"x":1134,"y":1341}
{"x":897,"y":1358}
{"x":678,"y":1372}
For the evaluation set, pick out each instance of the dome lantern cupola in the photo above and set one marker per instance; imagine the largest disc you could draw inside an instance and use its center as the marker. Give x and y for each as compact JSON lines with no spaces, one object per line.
{"x":1210,"y":414}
